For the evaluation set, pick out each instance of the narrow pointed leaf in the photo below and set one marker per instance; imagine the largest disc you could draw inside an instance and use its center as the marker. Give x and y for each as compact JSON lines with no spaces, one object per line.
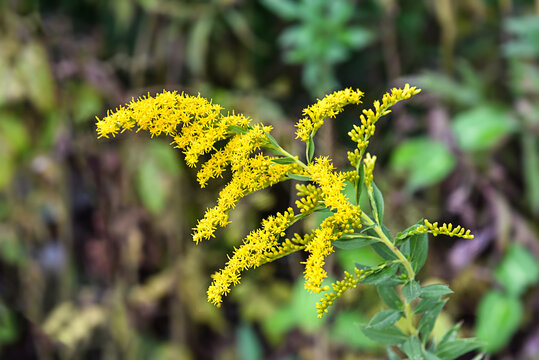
{"x":385,"y":319}
{"x":387,"y":336}
{"x":451,"y":334}
{"x":353,"y":243}
{"x":412,"y":348}
{"x":379,"y":202}
{"x":390,"y":297}
{"x":310,"y":149}
{"x":435,"y":291}
{"x":426,"y":324}
{"x":380,"y":276}
{"x":237,"y":129}
{"x":299,"y":177}
{"x":411,"y":291}
{"x":360,"y":183}
{"x":455,"y":348}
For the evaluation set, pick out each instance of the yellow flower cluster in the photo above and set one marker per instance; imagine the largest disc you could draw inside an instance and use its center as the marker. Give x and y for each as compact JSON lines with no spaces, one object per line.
{"x":361,"y":134}
{"x":345,"y":218}
{"x":319,"y":248}
{"x":198,"y":128}
{"x":195,"y":123}
{"x":329,"y":107}
{"x":368,"y":167}
{"x":253,"y":252}
{"x":331,"y":184}
{"x":339,"y":287}
{"x":256,"y":173}
{"x":310,"y":198}
{"x":445,"y":229}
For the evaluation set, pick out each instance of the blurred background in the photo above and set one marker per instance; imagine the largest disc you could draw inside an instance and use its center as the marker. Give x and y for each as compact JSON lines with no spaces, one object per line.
{"x":96,"y":260}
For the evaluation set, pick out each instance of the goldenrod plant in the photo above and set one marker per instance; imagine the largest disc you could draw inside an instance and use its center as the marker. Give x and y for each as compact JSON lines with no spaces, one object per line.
{"x":257,"y":161}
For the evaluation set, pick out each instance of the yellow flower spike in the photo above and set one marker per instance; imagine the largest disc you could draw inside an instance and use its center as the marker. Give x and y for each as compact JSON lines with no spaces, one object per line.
{"x":329,"y":107}
{"x":252,"y":253}
{"x":339,"y":288}
{"x":445,"y":229}
{"x":369,"y":117}
{"x":319,"y":248}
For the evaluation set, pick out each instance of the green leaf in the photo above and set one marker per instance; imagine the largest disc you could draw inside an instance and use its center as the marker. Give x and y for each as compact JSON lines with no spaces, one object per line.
{"x":7,"y":169}
{"x":435,"y":291}
{"x":391,"y":354}
{"x":33,"y":68}
{"x":385,"y":319}
{"x":449,"y":89}
{"x":411,"y":290}
{"x":360,"y":183}
{"x":530,"y":162}
{"x":283,"y":160}
{"x":237,"y":129}
{"x":248,"y":343}
{"x":299,"y":177}
{"x":416,"y":248}
{"x":310,"y":149}
{"x":198,"y":43}
{"x":451,"y":334}
{"x":351,"y":258}
{"x":424,"y":162}
{"x":166,"y":157}
{"x":354,"y":242}
{"x":412,"y":348}
{"x":86,"y":102}
{"x":403,"y":235}
{"x":13,"y":133}
{"x":498,"y":318}
{"x":430,"y":356}
{"x":272,"y":140}
{"x":341,"y":332}
{"x":379,"y":202}
{"x":299,"y":312}
{"x":387,"y":336}
{"x":482,"y":127}
{"x":390,"y":297}
{"x":8,"y":328}
{"x":455,"y":348}
{"x":286,"y":9}
{"x":380,"y":276}
{"x":426,"y":305}
{"x":426,"y":324}
{"x":384,"y":251}
{"x":150,"y":186}
{"x":518,"y":270}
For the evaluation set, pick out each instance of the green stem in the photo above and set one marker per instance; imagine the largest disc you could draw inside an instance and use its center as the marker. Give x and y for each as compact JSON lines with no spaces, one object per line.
{"x":409,"y":318}
{"x":384,"y":239}
{"x":296,"y":160}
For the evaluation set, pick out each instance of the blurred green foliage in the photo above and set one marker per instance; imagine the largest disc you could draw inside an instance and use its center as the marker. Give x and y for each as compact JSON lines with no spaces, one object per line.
{"x":500,"y":313}
{"x":323,"y":38}
{"x":92,"y":231}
